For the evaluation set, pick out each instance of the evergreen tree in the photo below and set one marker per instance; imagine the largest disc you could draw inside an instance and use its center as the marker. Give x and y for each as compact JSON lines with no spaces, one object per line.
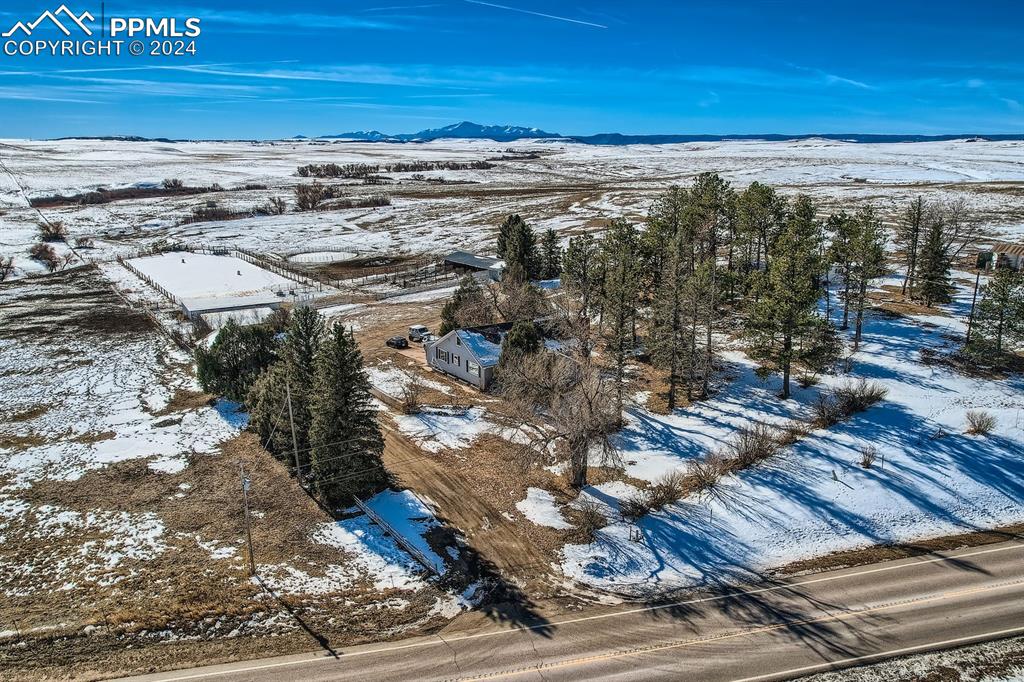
{"x":520,"y":250}
{"x":582,"y":270}
{"x":843,"y":228}
{"x":821,"y":345}
{"x":664,"y":222}
{"x":760,"y":216}
{"x":908,"y":235}
{"x":302,"y":340}
{"x":867,"y":250}
{"x":710,"y":212}
{"x":468,"y":307}
{"x":999,"y":320}
{"x":344,"y":433}
{"x":522,"y":340}
{"x":785,"y":309}
{"x":268,"y":412}
{"x":933,"y":270}
{"x":235,"y":359}
{"x":510,"y":224}
{"x":550,"y":256}
{"x":669,"y":338}
{"x":620,"y":248}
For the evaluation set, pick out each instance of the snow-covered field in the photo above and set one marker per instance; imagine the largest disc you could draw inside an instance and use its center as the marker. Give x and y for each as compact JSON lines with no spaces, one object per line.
{"x":930,"y":479}
{"x":569,"y":188}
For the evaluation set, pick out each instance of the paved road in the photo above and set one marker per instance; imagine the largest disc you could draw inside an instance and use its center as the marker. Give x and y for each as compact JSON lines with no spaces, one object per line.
{"x":760,"y":632}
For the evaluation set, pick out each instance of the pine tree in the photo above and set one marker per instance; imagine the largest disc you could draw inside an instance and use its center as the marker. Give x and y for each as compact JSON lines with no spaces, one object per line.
{"x":268,"y":412}
{"x":520,"y":249}
{"x":908,"y":235}
{"x":867,"y":251}
{"x":669,"y":318}
{"x":235,"y":359}
{"x":760,"y":217}
{"x":843,"y":227}
{"x":622,"y":288}
{"x":582,"y":271}
{"x":999,"y":320}
{"x":664,"y":222}
{"x":468,"y":307}
{"x":522,"y":340}
{"x":344,"y":433}
{"x":710,"y":212}
{"x":550,"y":256}
{"x":933,"y":270}
{"x":302,"y":340}
{"x":785,"y":309}
{"x":507,"y":226}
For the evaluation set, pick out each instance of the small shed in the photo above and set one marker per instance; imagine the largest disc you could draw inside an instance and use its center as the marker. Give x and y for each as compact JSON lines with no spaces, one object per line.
{"x":464,"y":262}
{"x":1002,"y":255}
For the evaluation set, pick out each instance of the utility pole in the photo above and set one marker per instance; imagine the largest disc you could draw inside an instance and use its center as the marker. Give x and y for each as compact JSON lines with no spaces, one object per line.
{"x":295,"y":441}
{"x":974,"y":299}
{"x":248,"y":527}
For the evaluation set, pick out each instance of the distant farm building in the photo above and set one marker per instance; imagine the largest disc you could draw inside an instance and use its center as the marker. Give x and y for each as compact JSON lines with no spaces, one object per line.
{"x":1003,"y":255}
{"x":465,"y":263}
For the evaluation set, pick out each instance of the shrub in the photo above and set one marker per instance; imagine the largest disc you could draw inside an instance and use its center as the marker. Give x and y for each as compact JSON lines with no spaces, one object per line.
{"x":52,"y":231}
{"x":634,"y":506}
{"x":807,"y":379}
{"x":6,"y":267}
{"x":173,"y":183}
{"x":276,"y":206}
{"x":589,"y":518}
{"x":44,"y":254}
{"x":868,"y":455}
{"x":751,"y":445}
{"x":309,"y":197}
{"x":791,"y":433}
{"x":703,"y":474}
{"x":980,"y":423}
{"x":84,"y":243}
{"x":668,"y":489}
{"x":859,"y":395}
{"x":826,"y":411}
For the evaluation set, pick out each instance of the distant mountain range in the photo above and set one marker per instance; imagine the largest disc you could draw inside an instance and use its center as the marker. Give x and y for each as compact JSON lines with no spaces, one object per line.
{"x":465,"y":130}
{"x":468,"y":130}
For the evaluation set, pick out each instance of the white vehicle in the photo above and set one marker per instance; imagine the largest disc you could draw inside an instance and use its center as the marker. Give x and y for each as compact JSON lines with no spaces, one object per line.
{"x":417,"y":332}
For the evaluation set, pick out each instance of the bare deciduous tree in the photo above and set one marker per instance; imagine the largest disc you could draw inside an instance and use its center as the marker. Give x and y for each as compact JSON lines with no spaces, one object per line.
{"x":574,"y":405}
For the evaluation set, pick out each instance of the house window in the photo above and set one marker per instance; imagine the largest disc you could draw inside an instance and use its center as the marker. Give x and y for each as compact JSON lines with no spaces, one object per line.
{"x":441,"y":355}
{"x":473,"y":368}
{"x":458,"y":341}
{"x":456,"y":360}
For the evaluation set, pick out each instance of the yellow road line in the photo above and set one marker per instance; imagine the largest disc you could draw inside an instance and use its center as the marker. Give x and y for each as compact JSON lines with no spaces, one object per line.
{"x":654,"y":648}
{"x":601,"y":616}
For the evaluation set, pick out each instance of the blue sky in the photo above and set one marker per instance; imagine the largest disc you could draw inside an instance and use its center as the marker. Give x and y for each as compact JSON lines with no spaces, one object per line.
{"x":276,"y":69}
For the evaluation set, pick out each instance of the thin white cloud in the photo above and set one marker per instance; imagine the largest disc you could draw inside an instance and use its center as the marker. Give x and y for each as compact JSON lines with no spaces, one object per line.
{"x":536,"y":14}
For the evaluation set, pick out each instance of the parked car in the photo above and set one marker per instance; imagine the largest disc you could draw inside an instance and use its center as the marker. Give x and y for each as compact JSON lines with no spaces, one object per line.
{"x":417,"y":332}
{"x":397,"y":342}
{"x":428,"y":338}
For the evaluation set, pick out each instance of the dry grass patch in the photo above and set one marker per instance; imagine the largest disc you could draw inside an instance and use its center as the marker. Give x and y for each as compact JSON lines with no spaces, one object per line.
{"x":980,"y":422}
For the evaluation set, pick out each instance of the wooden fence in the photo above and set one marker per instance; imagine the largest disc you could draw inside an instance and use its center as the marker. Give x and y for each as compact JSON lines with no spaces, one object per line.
{"x":402,"y":541}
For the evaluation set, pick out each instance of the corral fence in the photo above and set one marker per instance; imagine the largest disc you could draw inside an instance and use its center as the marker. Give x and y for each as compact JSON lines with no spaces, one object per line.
{"x":400,"y":539}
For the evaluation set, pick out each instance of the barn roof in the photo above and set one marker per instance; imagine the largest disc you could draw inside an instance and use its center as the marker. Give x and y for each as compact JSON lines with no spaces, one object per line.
{"x":470,"y":260}
{"x":1008,"y":249}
